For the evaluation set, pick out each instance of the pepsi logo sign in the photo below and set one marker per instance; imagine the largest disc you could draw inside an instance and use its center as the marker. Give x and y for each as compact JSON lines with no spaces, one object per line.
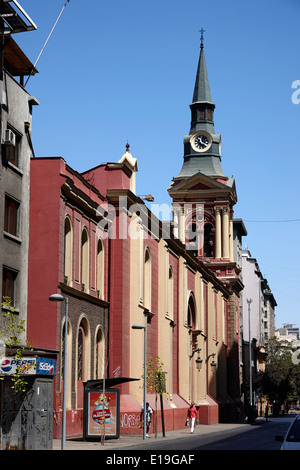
{"x":11,"y":366}
{"x":5,"y":365}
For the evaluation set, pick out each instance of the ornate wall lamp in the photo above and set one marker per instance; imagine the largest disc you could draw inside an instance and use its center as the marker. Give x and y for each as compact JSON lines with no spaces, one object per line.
{"x":199,"y":360}
{"x":213,"y":363}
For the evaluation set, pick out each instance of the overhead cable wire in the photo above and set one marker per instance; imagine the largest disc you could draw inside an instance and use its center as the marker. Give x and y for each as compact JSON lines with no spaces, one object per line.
{"x":273,"y":221}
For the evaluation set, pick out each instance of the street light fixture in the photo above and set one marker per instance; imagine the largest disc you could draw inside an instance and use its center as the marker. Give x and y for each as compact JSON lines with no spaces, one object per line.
{"x":198,"y":360}
{"x":61,"y":298}
{"x":140,"y":327}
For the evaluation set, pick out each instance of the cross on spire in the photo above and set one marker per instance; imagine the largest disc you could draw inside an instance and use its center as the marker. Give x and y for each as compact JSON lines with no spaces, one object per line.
{"x":202,"y":31}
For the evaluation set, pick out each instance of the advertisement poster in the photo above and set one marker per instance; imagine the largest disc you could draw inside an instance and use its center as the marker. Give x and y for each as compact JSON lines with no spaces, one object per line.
{"x":27,"y":366}
{"x":103,"y":413}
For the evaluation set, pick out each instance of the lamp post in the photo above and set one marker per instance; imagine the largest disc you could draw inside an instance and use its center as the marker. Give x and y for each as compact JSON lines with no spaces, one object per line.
{"x":140,"y":327}
{"x":61,"y":298}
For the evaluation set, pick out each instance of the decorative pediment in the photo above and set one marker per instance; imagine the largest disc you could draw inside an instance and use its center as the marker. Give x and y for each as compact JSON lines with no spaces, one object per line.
{"x":200,"y":186}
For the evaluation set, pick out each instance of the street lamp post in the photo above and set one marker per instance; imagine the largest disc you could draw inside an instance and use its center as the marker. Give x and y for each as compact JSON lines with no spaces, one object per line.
{"x":61,"y":298}
{"x":140,"y":327}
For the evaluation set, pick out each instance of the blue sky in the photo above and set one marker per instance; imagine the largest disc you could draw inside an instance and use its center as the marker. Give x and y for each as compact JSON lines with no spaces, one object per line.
{"x":119,"y":71}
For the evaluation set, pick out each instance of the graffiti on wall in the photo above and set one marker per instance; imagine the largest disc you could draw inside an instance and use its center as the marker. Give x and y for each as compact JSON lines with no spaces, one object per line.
{"x":130,"y":420}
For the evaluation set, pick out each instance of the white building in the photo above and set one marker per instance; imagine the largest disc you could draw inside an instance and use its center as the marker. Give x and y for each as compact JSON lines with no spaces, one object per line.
{"x":263,"y":303}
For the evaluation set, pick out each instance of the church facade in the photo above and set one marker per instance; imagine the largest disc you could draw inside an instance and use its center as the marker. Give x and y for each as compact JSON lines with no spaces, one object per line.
{"x":120,"y":266}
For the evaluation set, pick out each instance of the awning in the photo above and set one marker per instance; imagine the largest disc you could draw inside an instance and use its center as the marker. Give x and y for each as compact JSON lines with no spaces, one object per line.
{"x":108,"y":382}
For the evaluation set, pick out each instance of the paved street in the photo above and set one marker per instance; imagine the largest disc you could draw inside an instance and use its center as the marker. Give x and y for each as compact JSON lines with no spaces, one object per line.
{"x":260,"y":436}
{"x":236,"y":436}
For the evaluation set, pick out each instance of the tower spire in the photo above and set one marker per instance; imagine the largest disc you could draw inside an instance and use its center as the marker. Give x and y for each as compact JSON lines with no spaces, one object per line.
{"x":202,"y":89}
{"x":202,"y":145}
{"x":202,"y":38}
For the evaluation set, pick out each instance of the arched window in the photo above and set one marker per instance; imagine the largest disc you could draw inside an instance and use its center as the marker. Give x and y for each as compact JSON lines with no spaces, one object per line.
{"x":147,"y":279}
{"x":68,"y":254}
{"x":83,"y":351}
{"x":191,"y":313}
{"x":100,"y":269}
{"x":84,"y":260}
{"x":191,"y":320}
{"x":80,"y":350}
{"x":82,"y":359}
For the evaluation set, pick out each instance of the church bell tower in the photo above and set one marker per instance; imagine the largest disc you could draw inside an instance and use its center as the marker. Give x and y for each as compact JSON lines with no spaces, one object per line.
{"x":203,"y":196}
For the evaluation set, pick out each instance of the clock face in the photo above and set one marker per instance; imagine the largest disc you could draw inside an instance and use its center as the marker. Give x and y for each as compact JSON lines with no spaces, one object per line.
{"x":201,"y":142}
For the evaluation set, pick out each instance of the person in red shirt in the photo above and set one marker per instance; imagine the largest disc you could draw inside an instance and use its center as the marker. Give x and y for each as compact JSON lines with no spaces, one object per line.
{"x":191,"y":416}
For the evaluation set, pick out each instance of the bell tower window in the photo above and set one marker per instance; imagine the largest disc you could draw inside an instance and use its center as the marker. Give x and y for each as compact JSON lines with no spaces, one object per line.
{"x":201,"y":114}
{"x":209,"y":114}
{"x":208,"y":241}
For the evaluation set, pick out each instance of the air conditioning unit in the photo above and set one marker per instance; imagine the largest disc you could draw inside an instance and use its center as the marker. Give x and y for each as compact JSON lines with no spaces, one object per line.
{"x":10,"y":137}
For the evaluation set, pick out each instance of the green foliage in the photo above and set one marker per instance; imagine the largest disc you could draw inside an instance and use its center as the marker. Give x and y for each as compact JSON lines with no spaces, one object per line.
{"x":11,"y":332}
{"x":155,"y":381}
{"x":156,"y":378}
{"x":280,"y":382}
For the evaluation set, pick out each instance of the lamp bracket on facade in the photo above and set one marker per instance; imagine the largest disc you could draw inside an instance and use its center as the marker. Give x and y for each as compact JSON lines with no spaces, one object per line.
{"x":148,"y":314}
{"x":213,"y":361}
{"x":198,"y":360}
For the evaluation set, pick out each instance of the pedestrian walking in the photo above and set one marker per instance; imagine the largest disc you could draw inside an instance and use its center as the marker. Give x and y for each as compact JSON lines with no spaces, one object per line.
{"x":191,"y":416}
{"x":266,"y":411}
{"x":148,"y":417}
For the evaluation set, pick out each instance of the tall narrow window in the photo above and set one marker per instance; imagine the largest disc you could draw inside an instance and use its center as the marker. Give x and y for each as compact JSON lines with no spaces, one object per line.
{"x":9,"y":282}
{"x":170,"y":293}
{"x":192,"y":242}
{"x":83,"y":350}
{"x":68,"y":251}
{"x":191,"y":313}
{"x":208,"y":241}
{"x":11,"y":216}
{"x":147,"y":280}
{"x":65,"y":369}
{"x":85,"y":260}
{"x":100,"y":269}
{"x":80,"y":352}
{"x":201,"y":114}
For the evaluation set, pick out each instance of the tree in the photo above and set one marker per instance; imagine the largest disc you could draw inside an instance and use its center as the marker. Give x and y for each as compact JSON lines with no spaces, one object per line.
{"x":280,"y":381}
{"x":156,"y":382}
{"x":12,"y":330}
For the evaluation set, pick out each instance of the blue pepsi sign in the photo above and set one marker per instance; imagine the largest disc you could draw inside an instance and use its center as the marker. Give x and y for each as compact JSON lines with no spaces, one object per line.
{"x":45,"y":366}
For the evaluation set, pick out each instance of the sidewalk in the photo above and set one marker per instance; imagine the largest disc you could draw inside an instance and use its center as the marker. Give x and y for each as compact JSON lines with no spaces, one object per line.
{"x":130,"y":440}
